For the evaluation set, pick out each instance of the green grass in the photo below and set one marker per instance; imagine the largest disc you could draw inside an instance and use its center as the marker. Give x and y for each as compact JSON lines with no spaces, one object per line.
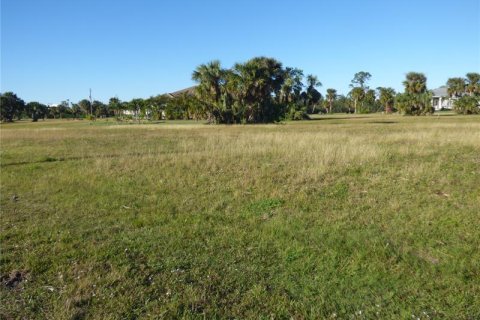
{"x":346,"y":217}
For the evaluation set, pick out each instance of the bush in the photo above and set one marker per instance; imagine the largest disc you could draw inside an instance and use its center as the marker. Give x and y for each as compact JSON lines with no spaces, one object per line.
{"x":414,"y":104}
{"x":467,"y":105}
{"x":296,"y":113}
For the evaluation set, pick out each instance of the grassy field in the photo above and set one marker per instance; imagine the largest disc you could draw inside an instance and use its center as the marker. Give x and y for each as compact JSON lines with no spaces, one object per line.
{"x":346,"y":217}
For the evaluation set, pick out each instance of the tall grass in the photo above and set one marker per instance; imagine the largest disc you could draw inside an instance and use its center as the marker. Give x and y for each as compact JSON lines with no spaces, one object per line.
{"x":348,"y":217}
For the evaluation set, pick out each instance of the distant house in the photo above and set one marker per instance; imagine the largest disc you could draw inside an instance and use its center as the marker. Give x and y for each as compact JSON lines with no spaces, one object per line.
{"x":148,"y":113}
{"x":188,"y":91}
{"x":441,"y":99}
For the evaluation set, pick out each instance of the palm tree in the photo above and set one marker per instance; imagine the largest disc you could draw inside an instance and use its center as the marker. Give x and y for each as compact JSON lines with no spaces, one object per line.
{"x":35,"y":109}
{"x":115,"y":105}
{"x":255,"y":83}
{"x":473,"y":86}
{"x":331,"y":96}
{"x":210,"y":78}
{"x":313,"y":96}
{"x":136,"y":105}
{"x":357,"y":94}
{"x":312,"y":81}
{"x":456,"y":86}
{"x":292,"y":85}
{"x":76,"y":110}
{"x":85,"y":106}
{"x":417,"y":99}
{"x":415,"y":83}
{"x":386,"y":98}
{"x":369,"y":100}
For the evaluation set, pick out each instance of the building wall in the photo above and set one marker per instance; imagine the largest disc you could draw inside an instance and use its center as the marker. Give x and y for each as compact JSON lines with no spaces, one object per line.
{"x":442,"y":102}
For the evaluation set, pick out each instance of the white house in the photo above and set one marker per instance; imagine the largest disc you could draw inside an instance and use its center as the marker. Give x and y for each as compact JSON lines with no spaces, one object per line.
{"x":441,"y":99}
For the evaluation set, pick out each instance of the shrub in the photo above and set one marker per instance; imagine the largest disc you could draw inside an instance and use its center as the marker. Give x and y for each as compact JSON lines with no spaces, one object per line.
{"x":467,"y":105}
{"x":296,"y":112}
{"x":414,"y":104}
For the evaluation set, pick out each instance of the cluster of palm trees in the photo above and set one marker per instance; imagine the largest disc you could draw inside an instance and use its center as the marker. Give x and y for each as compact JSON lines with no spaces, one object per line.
{"x":261,"y":90}
{"x":465,"y":92}
{"x":469,"y":85}
{"x":361,"y":94}
{"x":258,"y":91}
{"x":416,"y":100}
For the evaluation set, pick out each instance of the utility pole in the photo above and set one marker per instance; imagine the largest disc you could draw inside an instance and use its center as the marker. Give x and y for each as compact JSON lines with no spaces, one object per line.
{"x":91,"y":112}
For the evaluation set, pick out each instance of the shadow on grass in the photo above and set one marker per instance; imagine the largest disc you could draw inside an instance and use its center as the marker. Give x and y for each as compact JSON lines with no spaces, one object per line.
{"x":383,"y":122}
{"x":123,"y":123}
{"x":75,"y":158}
{"x":339,"y":118}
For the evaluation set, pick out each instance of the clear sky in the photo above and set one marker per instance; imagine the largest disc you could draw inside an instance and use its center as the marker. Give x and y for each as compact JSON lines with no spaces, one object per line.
{"x":53,"y":50}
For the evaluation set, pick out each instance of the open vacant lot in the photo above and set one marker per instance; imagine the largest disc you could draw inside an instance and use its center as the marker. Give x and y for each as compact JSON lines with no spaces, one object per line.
{"x":369,"y":217}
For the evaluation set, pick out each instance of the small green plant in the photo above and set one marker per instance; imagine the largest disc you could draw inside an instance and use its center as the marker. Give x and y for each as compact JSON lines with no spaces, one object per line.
{"x":264,"y":206}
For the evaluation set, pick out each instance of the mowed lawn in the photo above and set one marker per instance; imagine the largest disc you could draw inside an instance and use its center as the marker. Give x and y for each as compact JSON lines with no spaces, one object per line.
{"x":346,"y":217}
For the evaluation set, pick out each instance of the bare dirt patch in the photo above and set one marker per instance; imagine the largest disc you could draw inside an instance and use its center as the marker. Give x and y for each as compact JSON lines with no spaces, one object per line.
{"x":14,"y":279}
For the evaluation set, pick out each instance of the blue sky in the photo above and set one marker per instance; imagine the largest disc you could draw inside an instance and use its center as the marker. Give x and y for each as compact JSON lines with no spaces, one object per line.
{"x":53,"y":50}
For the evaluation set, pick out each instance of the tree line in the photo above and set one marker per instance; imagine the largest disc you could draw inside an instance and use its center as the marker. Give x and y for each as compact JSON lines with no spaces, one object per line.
{"x":466,"y":92}
{"x":260,"y":90}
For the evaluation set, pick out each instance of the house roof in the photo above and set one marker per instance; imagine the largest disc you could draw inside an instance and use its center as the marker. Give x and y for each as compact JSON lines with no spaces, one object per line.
{"x":188,"y":91}
{"x":440,"y":92}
